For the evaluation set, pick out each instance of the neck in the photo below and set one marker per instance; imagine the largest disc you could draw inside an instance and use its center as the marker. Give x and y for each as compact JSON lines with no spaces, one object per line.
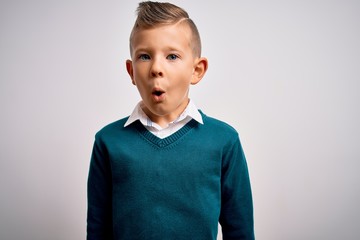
{"x":164,"y":120}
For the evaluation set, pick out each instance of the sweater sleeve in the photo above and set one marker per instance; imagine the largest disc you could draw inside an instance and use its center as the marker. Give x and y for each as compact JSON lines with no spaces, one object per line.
{"x":236,"y":216}
{"x":99,"y":215}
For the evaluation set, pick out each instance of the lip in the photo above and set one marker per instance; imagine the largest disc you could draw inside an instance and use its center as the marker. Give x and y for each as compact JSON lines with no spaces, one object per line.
{"x":158,"y":94}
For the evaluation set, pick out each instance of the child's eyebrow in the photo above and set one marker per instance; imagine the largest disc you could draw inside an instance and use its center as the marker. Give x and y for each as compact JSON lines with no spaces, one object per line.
{"x":151,"y":50}
{"x":141,"y":49}
{"x":174,"y":49}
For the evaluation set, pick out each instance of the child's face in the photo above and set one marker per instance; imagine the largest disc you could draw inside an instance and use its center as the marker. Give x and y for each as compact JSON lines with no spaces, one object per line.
{"x":162,"y":68}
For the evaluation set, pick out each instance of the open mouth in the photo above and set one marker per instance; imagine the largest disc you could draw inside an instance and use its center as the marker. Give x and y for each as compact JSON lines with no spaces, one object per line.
{"x":157,"y":92}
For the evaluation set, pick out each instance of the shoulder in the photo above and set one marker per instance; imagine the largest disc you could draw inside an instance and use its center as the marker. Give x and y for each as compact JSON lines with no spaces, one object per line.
{"x":112,"y":129}
{"x":219,"y":128}
{"x":217,"y":124}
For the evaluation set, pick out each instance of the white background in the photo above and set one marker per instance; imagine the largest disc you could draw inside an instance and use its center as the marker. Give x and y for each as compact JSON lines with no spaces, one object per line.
{"x":285,"y":74}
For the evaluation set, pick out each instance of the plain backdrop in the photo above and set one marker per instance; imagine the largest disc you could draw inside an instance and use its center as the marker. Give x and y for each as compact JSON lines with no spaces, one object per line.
{"x":285,"y":74}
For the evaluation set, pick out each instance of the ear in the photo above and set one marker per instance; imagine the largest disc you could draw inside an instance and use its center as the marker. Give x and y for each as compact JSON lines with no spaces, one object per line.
{"x":200,"y":68}
{"x":130,"y":70}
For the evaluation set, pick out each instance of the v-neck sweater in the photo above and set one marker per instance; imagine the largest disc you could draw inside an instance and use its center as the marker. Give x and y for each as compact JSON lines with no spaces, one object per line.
{"x":144,"y":187}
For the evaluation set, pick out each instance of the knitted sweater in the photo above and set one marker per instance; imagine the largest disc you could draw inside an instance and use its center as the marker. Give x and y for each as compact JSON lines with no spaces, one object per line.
{"x":179,"y":187}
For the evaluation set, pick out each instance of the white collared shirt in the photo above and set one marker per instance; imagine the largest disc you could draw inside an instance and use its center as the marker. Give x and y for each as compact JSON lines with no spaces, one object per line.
{"x":190,"y":112}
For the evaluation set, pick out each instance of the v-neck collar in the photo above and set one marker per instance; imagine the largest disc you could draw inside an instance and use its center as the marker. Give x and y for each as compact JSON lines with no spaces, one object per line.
{"x":164,"y":142}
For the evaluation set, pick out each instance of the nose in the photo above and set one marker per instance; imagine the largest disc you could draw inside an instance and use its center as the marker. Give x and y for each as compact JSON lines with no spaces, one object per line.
{"x":156,"y":68}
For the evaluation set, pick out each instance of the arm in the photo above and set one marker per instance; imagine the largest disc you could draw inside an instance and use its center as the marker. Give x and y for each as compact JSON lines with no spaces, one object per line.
{"x":99,"y":216}
{"x":236,"y":216}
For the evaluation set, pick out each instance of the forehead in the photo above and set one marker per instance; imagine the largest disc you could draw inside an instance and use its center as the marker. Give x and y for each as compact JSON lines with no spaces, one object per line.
{"x":174,"y":35}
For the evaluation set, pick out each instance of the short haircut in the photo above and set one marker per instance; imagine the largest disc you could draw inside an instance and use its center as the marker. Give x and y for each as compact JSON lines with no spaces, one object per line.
{"x":152,"y":14}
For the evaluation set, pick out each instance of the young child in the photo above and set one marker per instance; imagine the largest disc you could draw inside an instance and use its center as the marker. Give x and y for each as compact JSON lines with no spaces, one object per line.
{"x":168,"y":171}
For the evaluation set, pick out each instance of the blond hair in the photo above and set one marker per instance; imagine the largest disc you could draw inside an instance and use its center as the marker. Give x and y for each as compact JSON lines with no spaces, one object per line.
{"x":152,"y":14}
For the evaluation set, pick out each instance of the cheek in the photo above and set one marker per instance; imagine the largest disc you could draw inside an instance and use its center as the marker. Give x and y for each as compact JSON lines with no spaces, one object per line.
{"x":183,"y":85}
{"x":140,"y":70}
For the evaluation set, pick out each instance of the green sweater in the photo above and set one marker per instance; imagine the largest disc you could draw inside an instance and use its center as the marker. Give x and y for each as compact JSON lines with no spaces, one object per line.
{"x":179,"y":187}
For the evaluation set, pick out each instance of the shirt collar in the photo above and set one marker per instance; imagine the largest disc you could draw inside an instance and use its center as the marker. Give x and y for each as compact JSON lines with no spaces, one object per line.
{"x":190,"y":111}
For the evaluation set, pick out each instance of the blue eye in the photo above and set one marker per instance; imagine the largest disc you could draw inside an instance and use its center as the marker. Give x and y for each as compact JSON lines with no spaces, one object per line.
{"x":144,"y":57}
{"x":172,"y":57}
